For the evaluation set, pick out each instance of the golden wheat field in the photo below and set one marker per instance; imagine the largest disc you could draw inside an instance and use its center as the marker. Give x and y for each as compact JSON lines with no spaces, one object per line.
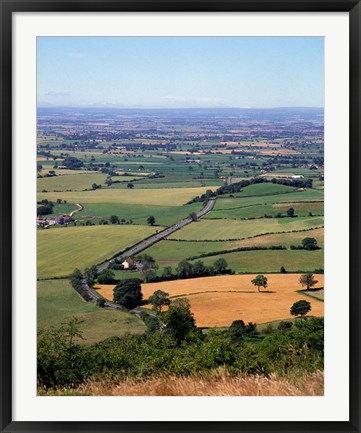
{"x":218,"y":301}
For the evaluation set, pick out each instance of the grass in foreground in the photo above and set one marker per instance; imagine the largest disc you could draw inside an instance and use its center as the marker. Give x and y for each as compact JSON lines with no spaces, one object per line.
{"x":217,"y":383}
{"x":59,"y":302}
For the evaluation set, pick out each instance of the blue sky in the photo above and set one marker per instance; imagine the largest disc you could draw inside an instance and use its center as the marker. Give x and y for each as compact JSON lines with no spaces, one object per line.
{"x":180,"y":72}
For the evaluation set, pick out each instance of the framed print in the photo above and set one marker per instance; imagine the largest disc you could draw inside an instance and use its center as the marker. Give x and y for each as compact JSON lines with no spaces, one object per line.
{"x":180,"y":209}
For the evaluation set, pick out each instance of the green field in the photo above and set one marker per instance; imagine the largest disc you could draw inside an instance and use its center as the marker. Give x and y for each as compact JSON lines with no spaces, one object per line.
{"x":254,"y":211}
{"x":170,"y":253}
{"x":70,"y":182}
{"x":58,"y":302}
{"x":234,"y":229}
{"x":161,"y":197}
{"x":164,"y":215}
{"x":238,"y":201}
{"x":61,"y":250}
{"x":271,"y":261}
{"x":264,"y":189}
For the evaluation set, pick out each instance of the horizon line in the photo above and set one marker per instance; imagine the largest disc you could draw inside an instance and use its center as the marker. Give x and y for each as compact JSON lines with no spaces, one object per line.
{"x":181,"y":108}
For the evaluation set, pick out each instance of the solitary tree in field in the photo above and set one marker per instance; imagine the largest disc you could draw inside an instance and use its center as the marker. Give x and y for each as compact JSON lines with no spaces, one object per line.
{"x":309,"y":244}
{"x":159,"y":299}
{"x":151,"y":220}
{"x":300,"y":308}
{"x":308,"y":280}
{"x":130,"y":185}
{"x":260,"y":281}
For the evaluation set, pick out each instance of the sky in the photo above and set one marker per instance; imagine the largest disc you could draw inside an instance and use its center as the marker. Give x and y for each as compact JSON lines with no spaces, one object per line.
{"x":180,"y":72}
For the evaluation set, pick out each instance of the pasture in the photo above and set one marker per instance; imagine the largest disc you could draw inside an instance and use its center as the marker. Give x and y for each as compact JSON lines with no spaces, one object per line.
{"x":58,"y":302}
{"x":207,"y":229}
{"x":170,"y":253}
{"x":271,"y":260}
{"x":70,"y":182}
{"x":218,"y":301}
{"x":61,"y":250}
{"x":302,"y":209}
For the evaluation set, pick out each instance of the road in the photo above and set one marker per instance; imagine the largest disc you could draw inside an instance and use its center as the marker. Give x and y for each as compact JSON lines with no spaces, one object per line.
{"x":146,"y":243}
{"x":142,"y":246}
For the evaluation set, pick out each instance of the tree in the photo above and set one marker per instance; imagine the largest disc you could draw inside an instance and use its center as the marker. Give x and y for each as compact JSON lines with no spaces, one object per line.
{"x":179,"y":319}
{"x":39,"y":167}
{"x":300,"y":308}
{"x":151,"y":220}
{"x":291,"y":212}
{"x":236,"y":330}
{"x":91,"y":274}
{"x":283,"y":270}
{"x":128,"y":293}
{"x":159,"y":299}
{"x":184,"y":269}
{"x":220,"y":266}
{"x":308,"y":280}
{"x":167,"y":272}
{"x":260,"y":281}
{"x":309,"y":244}
{"x":72,"y":163}
{"x":130,"y":185}
{"x":106,"y":276}
{"x":114,"y":219}
{"x":101,"y":303}
{"x":193,"y":216}
{"x":200,"y":269}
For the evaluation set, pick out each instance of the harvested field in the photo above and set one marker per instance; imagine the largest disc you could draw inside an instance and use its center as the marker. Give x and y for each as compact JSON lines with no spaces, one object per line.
{"x":218,"y":301}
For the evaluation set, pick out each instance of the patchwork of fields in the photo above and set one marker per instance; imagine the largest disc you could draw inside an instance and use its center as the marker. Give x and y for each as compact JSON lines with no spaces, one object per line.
{"x":161,"y":185}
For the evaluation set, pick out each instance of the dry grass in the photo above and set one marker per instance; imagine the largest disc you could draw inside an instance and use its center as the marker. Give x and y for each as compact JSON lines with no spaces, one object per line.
{"x":217,"y":383}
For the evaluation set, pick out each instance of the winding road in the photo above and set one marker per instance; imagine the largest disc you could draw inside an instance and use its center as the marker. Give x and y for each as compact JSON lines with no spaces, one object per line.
{"x":146,"y":243}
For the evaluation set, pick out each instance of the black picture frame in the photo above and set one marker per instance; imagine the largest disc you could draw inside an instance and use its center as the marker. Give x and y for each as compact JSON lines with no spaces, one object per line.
{"x":7,"y":8}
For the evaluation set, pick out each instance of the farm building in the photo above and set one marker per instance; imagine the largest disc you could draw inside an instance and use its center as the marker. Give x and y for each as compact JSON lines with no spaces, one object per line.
{"x":128,"y":263}
{"x":298,"y":176}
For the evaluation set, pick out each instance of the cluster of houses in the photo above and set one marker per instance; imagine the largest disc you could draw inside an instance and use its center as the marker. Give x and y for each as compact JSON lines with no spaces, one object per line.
{"x":60,"y":220}
{"x":132,"y":265}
